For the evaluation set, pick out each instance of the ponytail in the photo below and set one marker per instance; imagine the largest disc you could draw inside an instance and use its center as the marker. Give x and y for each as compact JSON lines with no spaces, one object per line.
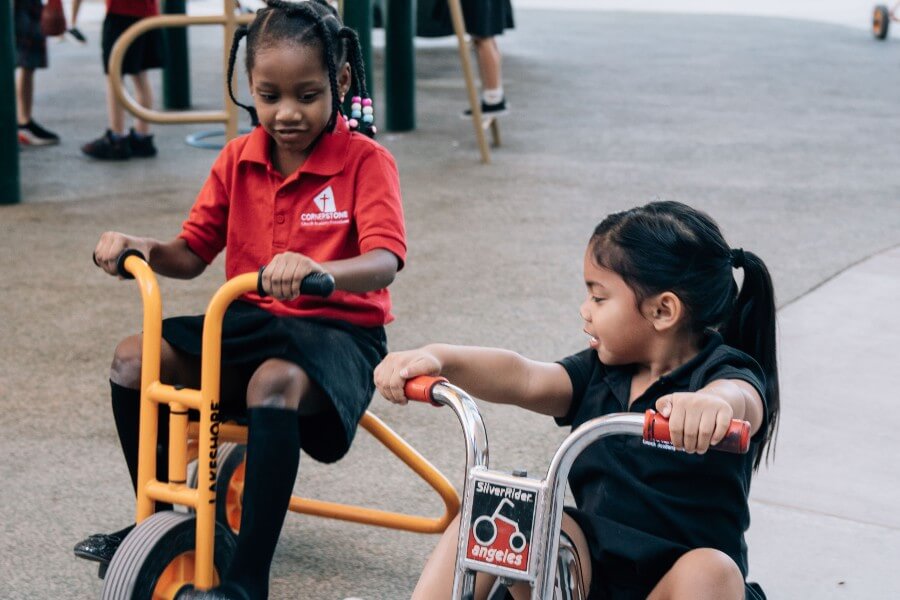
{"x":751,"y":329}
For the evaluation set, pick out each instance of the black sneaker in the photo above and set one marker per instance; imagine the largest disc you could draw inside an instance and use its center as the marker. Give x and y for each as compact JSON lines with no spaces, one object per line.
{"x":108,"y":147}
{"x":32,"y":134}
{"x":141,"y":145}
{"x":76,"y":33}
{"x":488,"y":110}
{"x":101,"y":547}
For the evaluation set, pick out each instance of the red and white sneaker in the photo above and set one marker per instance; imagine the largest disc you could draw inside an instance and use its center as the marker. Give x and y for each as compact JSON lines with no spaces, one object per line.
{"x":32,"y":134}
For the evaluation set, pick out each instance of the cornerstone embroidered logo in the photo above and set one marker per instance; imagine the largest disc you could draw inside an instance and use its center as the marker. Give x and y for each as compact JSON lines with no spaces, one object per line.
{"x":328,"y":213}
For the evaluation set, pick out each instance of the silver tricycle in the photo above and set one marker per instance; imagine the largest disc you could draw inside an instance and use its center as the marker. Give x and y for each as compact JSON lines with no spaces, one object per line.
{"x":510,"y":523}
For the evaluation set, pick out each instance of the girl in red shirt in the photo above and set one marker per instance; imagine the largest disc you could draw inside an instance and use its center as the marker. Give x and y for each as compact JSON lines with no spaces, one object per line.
{"x":302,"y":193}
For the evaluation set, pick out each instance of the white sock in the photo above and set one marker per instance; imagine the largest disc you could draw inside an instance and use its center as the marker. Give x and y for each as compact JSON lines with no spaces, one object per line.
{"x":494,"y":96}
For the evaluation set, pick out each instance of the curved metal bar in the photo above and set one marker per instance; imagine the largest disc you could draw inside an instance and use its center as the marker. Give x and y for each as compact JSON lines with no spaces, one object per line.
{"x":470,"y":419}
{"x":572,"y":446}
{"x":228,"y":20}
{"x":476,"y":457}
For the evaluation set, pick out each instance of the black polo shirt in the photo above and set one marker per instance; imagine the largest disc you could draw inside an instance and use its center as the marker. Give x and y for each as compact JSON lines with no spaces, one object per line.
{"x":641,"y":507}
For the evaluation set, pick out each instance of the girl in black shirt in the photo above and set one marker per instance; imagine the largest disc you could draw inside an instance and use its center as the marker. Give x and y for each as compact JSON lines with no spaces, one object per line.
{"x":668,"y":329}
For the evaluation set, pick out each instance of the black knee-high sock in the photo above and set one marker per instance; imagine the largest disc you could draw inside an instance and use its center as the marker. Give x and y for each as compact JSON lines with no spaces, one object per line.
{"x":273,"y":455}
{"x":126,"y":406}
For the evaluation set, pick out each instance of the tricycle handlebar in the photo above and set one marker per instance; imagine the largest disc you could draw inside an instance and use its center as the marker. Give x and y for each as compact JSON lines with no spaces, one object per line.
{"x":420,"y":388}
{"x":314,"y":284}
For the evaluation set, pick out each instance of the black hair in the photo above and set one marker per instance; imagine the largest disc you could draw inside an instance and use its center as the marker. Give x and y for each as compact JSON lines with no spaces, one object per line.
{"x":669,"y":246}
{"x":308,"y":23}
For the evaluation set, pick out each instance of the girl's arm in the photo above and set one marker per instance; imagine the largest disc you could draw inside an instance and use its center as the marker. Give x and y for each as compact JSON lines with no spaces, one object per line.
{"x":371,"y":271}
{"x":492,"y":374}
{"x":171,"y":259}
{"x":700,"y":419}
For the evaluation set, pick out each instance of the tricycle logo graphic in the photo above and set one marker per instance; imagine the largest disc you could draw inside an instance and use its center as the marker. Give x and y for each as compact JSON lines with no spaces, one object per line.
{"x":502,"y":521}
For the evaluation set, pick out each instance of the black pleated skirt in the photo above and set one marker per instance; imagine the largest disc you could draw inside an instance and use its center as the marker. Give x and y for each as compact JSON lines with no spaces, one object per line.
{"x":338,"y":356}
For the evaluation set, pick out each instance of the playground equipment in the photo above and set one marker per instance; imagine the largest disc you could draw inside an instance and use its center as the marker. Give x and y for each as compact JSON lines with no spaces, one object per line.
{"x":510,"y":523}
{"x":234,"y":14}
{"x":168,"y":550}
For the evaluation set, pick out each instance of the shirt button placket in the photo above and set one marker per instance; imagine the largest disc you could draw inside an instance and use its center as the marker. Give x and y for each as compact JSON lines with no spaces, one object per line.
{"x":281,"y":233}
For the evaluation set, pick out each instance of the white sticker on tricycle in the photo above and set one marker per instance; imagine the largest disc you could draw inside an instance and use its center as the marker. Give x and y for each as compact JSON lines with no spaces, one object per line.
{"x":501,"y":526}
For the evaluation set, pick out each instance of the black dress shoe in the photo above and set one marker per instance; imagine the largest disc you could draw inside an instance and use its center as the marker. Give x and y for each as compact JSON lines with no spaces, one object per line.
{"x":223,"y":592}
{"x":101,"y":547}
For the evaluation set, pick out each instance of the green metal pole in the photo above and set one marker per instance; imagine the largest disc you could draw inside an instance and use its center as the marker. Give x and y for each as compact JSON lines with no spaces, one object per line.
{"x":10,"y":192}
{"x":177,"y":72}
{"x":358,"y":16}
{"x":400,"y":65}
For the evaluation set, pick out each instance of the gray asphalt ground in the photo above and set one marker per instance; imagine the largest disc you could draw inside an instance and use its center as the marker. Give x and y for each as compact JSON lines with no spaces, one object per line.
{"x":785,"y":131}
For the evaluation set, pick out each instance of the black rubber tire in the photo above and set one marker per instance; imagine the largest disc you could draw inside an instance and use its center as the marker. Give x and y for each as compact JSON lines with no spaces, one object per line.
{"x":150,"y":547}
{"x":881,"y":19}
{"x":230,"y":457}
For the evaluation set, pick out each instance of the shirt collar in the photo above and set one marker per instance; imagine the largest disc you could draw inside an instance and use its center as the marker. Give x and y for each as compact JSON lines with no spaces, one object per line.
{"x":619,"y":377}
{"x":327,"y":158}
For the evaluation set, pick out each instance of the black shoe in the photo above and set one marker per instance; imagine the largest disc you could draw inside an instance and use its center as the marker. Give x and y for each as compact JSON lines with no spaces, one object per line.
{"x":141,"y":145}
{"x":488,"y":110}
{"x":76,"y":33}
{"x":101,"y":547}
{"x":225,"y":591}
{"x":32,"y":134}
{"x":108,"y":147}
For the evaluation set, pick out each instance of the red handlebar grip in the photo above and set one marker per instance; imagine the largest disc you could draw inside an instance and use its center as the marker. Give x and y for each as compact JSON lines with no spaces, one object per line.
{"x":736,"y":440}
{"x":419,"y":388}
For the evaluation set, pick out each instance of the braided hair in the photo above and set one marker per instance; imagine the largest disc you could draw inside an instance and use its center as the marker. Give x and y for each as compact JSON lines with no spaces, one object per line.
{"x":309,"y":23}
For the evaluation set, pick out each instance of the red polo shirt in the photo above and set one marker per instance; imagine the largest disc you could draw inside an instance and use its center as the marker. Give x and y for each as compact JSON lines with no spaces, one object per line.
{"x":133,"y":8}
{"x":342,"y":202}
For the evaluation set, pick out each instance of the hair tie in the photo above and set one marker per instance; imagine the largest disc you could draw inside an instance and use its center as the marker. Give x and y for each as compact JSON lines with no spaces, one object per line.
{"x":738,"y":258}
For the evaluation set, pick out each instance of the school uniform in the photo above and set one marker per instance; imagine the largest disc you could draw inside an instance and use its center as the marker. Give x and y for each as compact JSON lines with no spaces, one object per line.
{"x":147,"y":51}
{"x":641,"y":508}
{"x":342,"y":202}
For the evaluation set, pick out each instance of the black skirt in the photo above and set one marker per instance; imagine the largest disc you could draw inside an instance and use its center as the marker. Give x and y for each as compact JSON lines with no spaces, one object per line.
{"x":487,"y":18}
{"x":484,"y":18}
{"x":614,"y":578}
{"x":338,"y":356}
{"x":147,"y":51}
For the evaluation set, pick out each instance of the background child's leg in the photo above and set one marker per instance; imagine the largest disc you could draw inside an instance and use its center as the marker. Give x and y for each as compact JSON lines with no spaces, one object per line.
{"x":701,"y":574}
{"x":143,"y":93}
{"x":24,"y":94}
{"x":114,"y":111}
{"x":489,"y":60}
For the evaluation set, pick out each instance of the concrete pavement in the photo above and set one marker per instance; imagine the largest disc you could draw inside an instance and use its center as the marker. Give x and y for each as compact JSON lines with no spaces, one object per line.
{"x":784,"y":131}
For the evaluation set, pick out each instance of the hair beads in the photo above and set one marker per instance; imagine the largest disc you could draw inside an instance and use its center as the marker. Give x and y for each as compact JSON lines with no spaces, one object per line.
{"x":361,"y":110}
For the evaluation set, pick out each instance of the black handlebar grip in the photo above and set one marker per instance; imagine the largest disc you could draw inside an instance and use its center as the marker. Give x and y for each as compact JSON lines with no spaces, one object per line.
{"x":120,"y":262}
{"x":317,"y":284}
{"x":314,"y":284}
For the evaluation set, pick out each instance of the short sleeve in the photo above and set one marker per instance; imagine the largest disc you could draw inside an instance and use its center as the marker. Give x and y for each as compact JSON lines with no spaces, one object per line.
{"x":729,"y":363}
{"x":205,"y":229}
{"x":580,"y":368}
{"x":378,"y":207}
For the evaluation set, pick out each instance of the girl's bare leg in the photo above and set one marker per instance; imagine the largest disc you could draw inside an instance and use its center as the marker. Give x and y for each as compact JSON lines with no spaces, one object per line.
{"x":701,"y":574}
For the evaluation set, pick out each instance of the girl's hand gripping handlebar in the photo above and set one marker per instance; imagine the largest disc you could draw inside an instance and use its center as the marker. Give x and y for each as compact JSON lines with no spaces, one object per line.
{"x":314,"y":284}
{"x":656,"y":433}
